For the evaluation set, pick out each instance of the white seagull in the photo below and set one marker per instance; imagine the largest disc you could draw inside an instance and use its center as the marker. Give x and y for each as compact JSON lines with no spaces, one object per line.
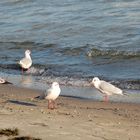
{"x":52,"y":94}
{"x":26,"y":62}
{"x":106,"y":88}
{"x":3,"y":81}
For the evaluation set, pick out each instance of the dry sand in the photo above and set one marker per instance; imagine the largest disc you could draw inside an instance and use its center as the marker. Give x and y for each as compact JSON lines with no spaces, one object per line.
{"x":74,"y":119}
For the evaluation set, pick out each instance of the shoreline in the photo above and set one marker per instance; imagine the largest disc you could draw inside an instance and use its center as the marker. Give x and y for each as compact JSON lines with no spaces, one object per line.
{"x":87,"y":93}
{"x":73,"y":119}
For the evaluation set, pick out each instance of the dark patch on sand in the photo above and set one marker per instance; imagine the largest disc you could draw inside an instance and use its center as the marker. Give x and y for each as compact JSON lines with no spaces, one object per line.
{"x":9,"y":132}
{"x":21,"y":103}
{"x":24,"y":138}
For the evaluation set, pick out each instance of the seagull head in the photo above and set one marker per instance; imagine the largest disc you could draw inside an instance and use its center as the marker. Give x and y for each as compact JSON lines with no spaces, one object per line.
{"x":55,"y":85}
{"x":27,"y":52}
{"x":96,"y":82}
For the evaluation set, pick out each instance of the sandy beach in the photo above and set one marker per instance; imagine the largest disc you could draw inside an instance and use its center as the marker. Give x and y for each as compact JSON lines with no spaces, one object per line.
{"x":76,"y":119}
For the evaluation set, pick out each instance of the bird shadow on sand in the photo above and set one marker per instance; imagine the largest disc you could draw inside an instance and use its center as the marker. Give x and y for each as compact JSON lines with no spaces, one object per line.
{"x":21,"y":103}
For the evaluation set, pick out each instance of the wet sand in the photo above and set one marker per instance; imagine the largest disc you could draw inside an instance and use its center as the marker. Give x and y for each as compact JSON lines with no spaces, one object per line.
{"x":76,"y":119}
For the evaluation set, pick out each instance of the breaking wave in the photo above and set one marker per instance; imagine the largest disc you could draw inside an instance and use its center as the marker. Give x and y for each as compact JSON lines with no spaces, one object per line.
{"x":94,"y":52}
{"x":51,"y":73}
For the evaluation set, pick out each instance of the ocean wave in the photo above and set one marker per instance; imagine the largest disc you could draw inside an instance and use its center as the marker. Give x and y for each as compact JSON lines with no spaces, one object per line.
{"x":50,"y":73}
{"x":14,"y":45}
{"x":128,"y":84}
{"x":86,"y":82}
{"x":132,"y":84}
{"x":94,"y":52}
{"x":90,"y":50}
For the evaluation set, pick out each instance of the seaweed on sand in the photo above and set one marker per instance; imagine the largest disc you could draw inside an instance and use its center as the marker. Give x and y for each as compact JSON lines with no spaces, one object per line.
{"x":9,"y":132}
{"x":24,"y":138}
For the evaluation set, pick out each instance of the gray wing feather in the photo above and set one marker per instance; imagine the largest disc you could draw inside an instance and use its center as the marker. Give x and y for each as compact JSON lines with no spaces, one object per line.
{"x":48,"y":92}
{"x":109,"y":88}
{"x":44,"y":94}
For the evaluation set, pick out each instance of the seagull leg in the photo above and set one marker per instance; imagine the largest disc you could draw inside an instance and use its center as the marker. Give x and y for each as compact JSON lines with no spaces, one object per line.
{"x":54,"y":105}
{"x":22,"y":71}
{"x":106,"y":99}
{"x":49,"y":104}
{"x":28,"y":70}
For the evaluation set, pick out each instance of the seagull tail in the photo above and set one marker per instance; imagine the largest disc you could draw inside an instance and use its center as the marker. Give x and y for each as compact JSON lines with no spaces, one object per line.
{"x":125,"y":93}
{"x":41,"y":97}
{"x":7,"y":82}
{"x":37,"y":97}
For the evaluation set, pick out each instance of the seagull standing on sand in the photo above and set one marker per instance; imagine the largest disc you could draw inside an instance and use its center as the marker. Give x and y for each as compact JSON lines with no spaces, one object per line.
{"x":52,"y":94}
{"x":106,"y":88}
{"x":26,"y":62}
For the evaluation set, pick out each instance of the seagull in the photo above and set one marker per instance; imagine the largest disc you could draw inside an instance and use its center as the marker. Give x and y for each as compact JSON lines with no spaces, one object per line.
{"x":106,"y":88}
{"x":3,"y":81}
{"x":51,"y":95}
{"x":26,"y":62}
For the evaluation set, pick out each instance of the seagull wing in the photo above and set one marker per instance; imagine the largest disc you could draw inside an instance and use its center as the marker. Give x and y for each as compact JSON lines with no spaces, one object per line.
{"x":44,"y":94}
{"x":109,"y":89}
{"x":25,"y":62}
{"x":48,"y":93}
